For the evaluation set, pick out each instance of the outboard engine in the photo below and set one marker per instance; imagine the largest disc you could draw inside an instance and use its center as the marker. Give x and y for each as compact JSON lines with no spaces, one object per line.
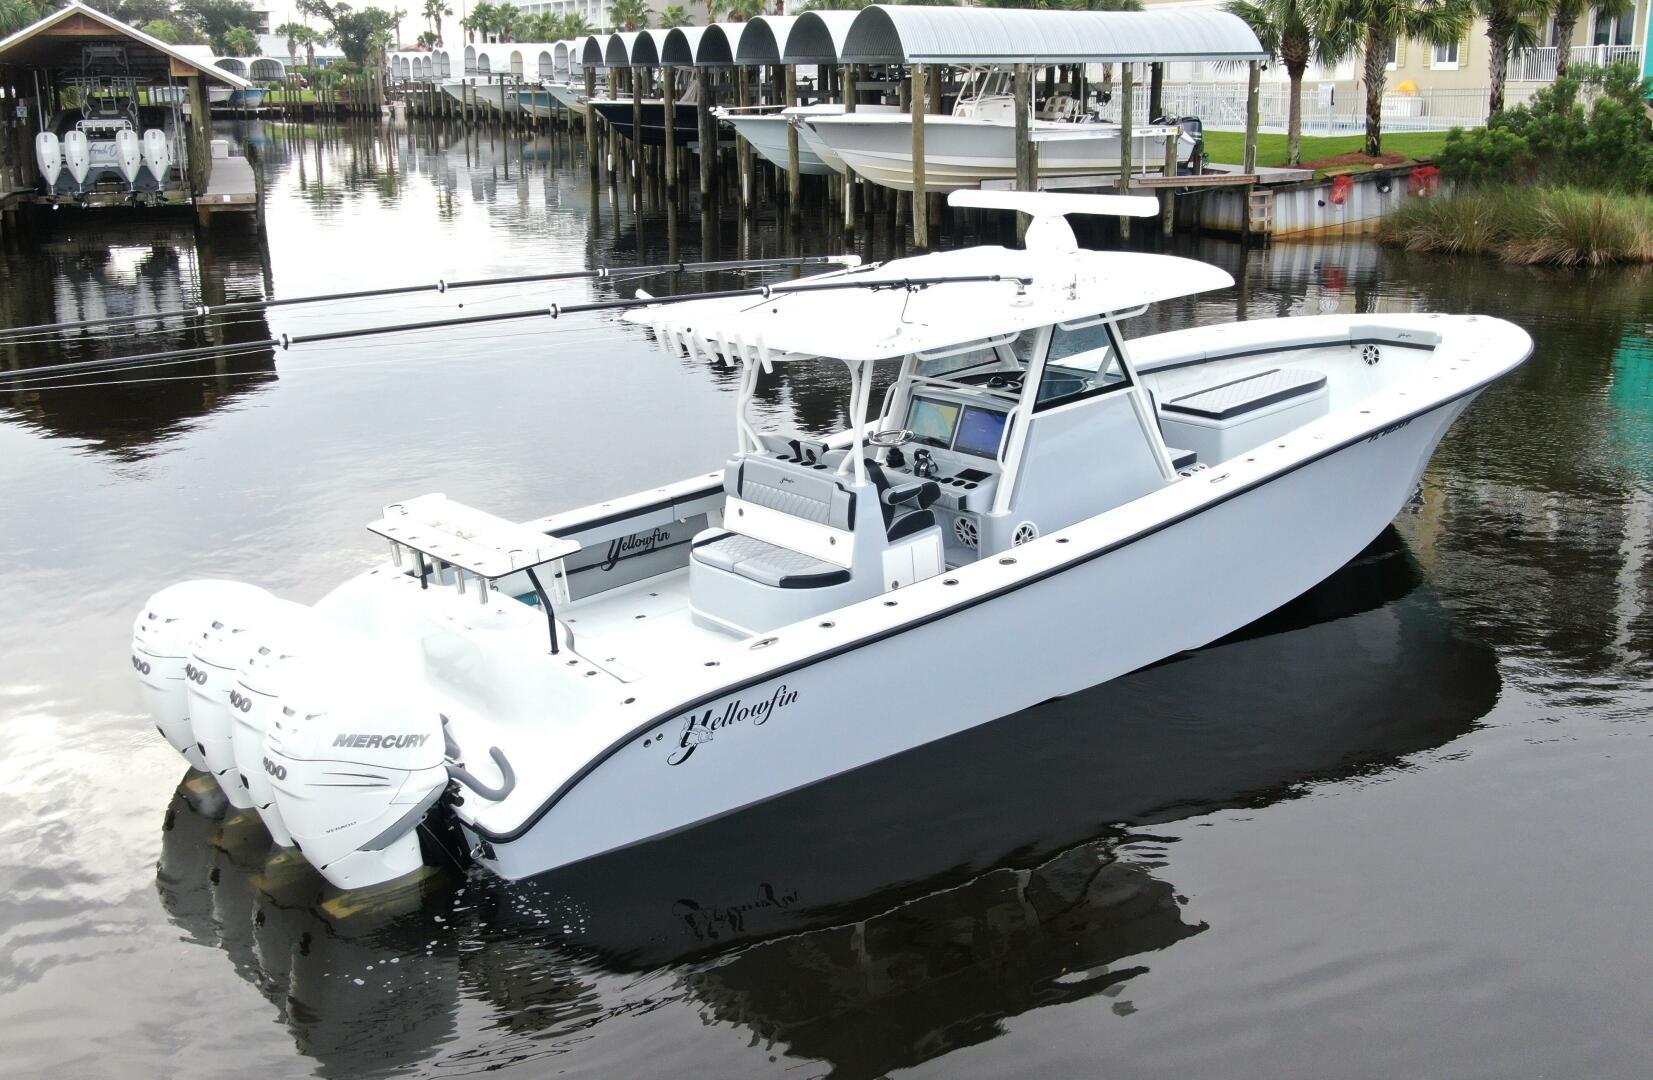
{"x":355,"y":766}
{"x":1193,"y":129}
{"x":128,"y":155}
{"x":77,"y":156}
{"x":162,"y":636}
{"x":157,"y":155}
{"x":216,"y":654}
{"x":48,"y":155}
{"x":280,"y":656}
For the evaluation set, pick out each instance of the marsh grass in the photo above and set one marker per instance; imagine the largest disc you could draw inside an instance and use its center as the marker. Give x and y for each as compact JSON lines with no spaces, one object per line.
{"x":1529,"y":226}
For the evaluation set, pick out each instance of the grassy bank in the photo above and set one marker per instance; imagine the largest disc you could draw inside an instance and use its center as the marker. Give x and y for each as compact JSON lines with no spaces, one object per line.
{"x":1228,"y":147}
{"x":1529,"y":226}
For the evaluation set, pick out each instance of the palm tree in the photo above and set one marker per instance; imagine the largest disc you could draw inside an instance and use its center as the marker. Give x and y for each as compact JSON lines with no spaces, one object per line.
{"x":291,"y":31}
{"x":1511,"y":24}
{"x":673,"y":16}
{"x":239,"y":41}
{"x":1372,"y":28}
{"x":1289,"y":29}
{"x":575,"y":26}
{"x":478,"y":21}
{"x":433,"y":11}
{"x":1567,"y":14}
{"x":629,"y":14}
{"x":506,"y":17}
{"x":16,"y":14}
{"x":741,"y":10}
{"x":309,"y":38}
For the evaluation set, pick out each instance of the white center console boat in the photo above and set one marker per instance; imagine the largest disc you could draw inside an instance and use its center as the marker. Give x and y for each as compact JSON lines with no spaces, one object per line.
{"x":1038,"y":504}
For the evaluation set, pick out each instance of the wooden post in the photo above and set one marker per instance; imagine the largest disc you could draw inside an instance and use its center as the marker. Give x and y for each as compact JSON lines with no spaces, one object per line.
{"x":591,"y":158}
{"x":1156,"y":91}
{"x":1168,"y":196}
{"x":934,"y":83}
{"x":794,"y":172}
{"x":921,"y":196}
{"x":1127,"y":82}
{"x":743,"y":150}
{"x":200,"y":135}
{"x":1253,"y":92}
{"x":636,"y":123}
{"x":708,"y":138}
{"x":669,"y":92}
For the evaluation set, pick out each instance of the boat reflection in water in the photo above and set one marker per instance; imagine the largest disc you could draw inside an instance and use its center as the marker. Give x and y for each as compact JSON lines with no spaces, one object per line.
{"x":132,"y":268}
{"x":886,"y":917}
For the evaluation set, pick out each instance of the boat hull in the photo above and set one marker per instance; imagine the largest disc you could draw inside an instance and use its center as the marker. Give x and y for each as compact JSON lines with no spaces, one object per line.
{"x":621,"y":115}
{"x":767,"y":134}
{"x":536,"y":103}
{"x":963,"y":153}
{"x":1100,"y":612}
{"x":491,"y":95}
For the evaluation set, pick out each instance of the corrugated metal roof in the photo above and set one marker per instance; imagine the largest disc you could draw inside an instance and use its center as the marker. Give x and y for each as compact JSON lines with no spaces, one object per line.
{"x":818,"y":37}
{"x":949,"y":35}
{"x":27,"y":47}
{"x":647,"y":49}
{"x":680,"y":46}
{"x":718,"y":45}
{"x":617,"y":50}
{"x":764,"y":39}
{"x":591,"y":53}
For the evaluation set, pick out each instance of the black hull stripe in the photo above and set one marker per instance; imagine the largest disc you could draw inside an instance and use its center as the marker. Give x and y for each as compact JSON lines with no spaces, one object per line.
{"x":935,"y":616}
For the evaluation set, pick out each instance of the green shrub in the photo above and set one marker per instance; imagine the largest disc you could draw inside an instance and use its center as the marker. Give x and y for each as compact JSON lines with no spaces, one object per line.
{"x":1555,"y":140}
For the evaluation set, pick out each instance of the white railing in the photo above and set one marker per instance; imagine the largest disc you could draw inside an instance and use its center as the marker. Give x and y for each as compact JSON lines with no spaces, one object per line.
{"x":1222,"y":106}
{"x":1538,"y":65}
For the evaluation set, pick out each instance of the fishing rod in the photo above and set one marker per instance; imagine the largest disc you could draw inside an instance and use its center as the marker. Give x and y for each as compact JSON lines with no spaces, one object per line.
{"x":554,"y":311}
{"x":439,"y":286}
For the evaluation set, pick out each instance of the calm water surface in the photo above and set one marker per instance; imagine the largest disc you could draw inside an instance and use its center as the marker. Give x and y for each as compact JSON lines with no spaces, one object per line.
{"x":1399,"y":828}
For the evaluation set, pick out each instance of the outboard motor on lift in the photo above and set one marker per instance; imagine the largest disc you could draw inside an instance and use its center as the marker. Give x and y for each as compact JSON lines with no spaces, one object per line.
{"x":163,"y":636}
{"x":354,"y":766}
{"x":77,"y":156}
{"x":48,"y":155}
{"x":128,"y":155}
{"x":157,"y":155}
{"x":1194,"y":128}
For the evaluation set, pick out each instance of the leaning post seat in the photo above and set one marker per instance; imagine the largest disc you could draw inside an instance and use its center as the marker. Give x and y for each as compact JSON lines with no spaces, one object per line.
{"x":798,"y":539}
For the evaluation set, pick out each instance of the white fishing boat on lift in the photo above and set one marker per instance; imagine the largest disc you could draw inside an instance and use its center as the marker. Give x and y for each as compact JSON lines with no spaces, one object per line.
{"x":572,"y":97}
{"x":765,"y":127}
{"x":481,"y":90}
{"x":977,"y":142}
{"x":1040,"y":505}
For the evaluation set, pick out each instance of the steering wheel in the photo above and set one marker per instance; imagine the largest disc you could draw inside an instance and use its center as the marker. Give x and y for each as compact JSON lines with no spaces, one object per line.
{"x":1004,"y":382}
{"x":890,"y":438}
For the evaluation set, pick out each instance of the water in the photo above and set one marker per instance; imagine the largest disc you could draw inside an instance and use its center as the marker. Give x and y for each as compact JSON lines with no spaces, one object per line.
{"x":1398,"y":828}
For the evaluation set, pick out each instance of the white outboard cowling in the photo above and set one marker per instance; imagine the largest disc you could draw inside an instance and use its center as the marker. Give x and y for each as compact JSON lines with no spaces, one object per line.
{"x":355,"y":765}
{"x":282,"y":655}
{"x":157,"y":155}
{"x":77,"y":155}
{"x":215,"y":655}
{"x":163,"y":635}
{"x":48,"y":155}
{"x":128,"y":154}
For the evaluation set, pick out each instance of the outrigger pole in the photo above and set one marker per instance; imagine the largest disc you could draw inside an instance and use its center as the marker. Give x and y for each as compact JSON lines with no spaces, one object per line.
{"x":554,"y":311}
{"x":439,"y":286}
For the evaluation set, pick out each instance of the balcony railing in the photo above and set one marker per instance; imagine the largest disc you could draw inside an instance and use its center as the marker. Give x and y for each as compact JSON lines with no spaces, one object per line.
{"x":1538,"y":65}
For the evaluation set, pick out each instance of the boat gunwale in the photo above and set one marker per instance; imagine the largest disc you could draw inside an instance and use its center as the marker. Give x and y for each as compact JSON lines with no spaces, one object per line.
{"x":1081,"y":558}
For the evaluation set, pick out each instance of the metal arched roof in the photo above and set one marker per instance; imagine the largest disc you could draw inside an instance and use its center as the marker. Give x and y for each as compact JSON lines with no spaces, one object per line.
{"x":591,"y":53}
{"x":949,"y":35}
{"x":764,"y":39}
{"x":617,"y":51}
{"x":718,"y":45}
{"x":649,"y":48}
{"x":681,"y":45}
{"x":818,"y":37}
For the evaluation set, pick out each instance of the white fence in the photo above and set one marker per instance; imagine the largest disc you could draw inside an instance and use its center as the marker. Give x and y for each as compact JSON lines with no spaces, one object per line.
{"x":1538,"y":65}
{"x":1329,"y":109}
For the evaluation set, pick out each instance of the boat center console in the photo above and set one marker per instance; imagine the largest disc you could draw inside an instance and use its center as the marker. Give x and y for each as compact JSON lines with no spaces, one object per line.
{"x":956,"y":442}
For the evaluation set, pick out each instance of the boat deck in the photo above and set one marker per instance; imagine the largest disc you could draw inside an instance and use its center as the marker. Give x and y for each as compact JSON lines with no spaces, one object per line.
{"x":626,"y":631}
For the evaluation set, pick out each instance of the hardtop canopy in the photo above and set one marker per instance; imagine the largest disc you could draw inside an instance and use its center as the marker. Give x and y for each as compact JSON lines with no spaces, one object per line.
{"x":54,"y":43}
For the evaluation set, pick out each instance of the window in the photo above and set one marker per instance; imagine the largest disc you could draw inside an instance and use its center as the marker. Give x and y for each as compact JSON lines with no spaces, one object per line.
{"x":1611,"y":28}
{"x":1392,"y":61}
{"x":1082,"y":361}
{"x":1445,"y":57}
